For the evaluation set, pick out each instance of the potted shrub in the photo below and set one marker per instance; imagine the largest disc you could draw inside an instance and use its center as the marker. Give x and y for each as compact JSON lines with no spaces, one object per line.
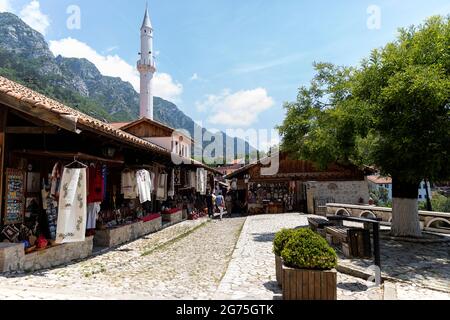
{"x":281,"y":238}
{"x":309,"y":267}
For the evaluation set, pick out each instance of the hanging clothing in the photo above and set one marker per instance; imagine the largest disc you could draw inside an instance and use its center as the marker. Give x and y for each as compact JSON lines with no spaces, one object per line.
{"x":72,"y":206}
{"x":96,"y":186}
{"x":171,"y":192}
{"x":129,"y":185}
{"x":93,"y":210}
{"x":144,"y":185}
{"x":104,"y":176}
{"x":192,"y":179}
{"x":51,"y":210}
{"x":201,"y":181}
{"x":56,"y":180}
{"x":161,"y":191}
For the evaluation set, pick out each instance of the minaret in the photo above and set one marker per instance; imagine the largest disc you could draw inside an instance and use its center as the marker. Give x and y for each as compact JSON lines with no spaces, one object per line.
{"x":146,"y":67}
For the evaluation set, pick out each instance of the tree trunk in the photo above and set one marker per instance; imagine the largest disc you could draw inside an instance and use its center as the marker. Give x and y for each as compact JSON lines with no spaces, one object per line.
{"x":405,"y":209}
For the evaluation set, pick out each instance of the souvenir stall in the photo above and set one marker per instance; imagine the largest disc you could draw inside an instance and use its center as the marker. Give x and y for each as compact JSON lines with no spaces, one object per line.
{"x":130,"y":209}
{"x":46,"y":209}
{"x":270,"y":197}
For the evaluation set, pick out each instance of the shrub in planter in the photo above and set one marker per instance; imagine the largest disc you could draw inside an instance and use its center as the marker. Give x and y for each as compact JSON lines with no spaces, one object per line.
{"x":308,"y":267}
{"x":281,"y":238}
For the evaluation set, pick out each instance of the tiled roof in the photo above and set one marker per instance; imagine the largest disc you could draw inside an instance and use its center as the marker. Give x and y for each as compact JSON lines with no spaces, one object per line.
{"x":23,"y":95}
{"x":379,"y":179}
{"x":22,"y":98}
{"x":118,"y":125}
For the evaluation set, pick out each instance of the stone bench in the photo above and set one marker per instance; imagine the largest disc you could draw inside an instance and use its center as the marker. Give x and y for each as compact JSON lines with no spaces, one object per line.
{"x":114,"y":237}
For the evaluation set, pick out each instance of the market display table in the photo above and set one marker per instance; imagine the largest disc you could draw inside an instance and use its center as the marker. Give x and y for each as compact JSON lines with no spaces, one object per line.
{"x":116,"y":236}
{"x":173,"y":215}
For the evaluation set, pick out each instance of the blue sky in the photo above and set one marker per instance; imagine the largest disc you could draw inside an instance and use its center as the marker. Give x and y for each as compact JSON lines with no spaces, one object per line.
{"x":228,"y":63}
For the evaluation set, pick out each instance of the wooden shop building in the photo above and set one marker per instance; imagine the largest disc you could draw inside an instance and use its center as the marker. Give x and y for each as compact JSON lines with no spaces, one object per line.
{"x":122,"y":184}
{"x":296,"y":186}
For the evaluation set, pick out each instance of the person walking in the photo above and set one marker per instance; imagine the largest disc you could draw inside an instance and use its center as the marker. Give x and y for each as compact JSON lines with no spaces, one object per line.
{"x":210,"y":204}
{"x":220,"y":203}
{"x":229,"y":203}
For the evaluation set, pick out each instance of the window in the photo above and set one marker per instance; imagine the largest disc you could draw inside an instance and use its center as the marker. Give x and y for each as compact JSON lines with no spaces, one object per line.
{"x":420,"y":196}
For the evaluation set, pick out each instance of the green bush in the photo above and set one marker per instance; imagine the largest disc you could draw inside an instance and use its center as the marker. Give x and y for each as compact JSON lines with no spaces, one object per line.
{"x":281,"y":238}
{"x":308,"y":250}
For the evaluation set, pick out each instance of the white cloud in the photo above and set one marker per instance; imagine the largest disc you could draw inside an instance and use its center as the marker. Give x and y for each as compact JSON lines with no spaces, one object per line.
{"x":33,"y":16}
{"x":5,"y":6}
{"x":166,"y":88}
{"x":239,"y":109}
{"x":114,"y":66}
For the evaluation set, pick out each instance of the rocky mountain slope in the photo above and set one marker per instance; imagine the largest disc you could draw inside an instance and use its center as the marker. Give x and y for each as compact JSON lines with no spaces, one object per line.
{"x":26,"y":58}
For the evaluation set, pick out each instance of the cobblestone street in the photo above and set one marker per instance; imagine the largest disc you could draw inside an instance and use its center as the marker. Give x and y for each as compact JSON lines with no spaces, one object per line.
{"x":251,"y":274}
{"x":160,"y":266}
{"x":229,"y":259}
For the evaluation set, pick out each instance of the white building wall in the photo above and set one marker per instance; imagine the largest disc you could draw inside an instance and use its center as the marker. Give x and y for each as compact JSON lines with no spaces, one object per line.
{"x":348,"y":192}
{"x":422,"y":191}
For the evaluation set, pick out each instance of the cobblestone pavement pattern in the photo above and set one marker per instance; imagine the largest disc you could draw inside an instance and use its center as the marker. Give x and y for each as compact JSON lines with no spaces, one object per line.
{"x":213,"y":260}
{"x":251,"y":274}
{"x":189,"y":267}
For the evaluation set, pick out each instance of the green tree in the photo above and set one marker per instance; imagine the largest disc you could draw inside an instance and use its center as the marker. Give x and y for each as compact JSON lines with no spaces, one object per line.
{"x":392,"y":111}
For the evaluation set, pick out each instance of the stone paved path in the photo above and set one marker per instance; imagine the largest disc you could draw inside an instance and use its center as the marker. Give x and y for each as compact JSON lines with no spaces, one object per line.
{"x":251,"y":274}
{"x":417,"y":265}
{"x":190,"y":268}
{"x":215,"y":260}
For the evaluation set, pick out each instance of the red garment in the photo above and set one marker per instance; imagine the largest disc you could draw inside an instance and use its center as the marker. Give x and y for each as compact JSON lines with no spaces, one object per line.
{"x":95,"y":183}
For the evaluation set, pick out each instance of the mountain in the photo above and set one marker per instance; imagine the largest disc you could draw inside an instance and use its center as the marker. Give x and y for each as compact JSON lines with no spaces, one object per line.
{"x":26,"y":58}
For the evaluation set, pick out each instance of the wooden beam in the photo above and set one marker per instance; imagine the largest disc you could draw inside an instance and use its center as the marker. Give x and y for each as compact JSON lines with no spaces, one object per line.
{"x":66,"y":155}
{"x":32,"y":130}
{"x":3,"y":118}
{"x":32,"y":120}
{"x":41,"y":113}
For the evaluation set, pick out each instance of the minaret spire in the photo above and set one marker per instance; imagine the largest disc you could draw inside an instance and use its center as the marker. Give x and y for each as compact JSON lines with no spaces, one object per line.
{"x":146,"y":67}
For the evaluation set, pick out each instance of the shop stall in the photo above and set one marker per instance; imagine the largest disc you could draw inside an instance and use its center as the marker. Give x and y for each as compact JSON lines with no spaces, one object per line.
{"x":69,"y":182}
{"x":294,"y":186}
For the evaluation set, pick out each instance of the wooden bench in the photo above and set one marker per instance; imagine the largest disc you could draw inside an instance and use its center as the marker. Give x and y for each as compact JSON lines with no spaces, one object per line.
{"x":319,"y":223}
{"x":337,"y":234}
{"x":355,"y":242}
{"x":366,"y":235}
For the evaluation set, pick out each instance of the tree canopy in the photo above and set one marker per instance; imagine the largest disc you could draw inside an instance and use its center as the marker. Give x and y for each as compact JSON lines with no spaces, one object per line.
{"x":391,"y":111}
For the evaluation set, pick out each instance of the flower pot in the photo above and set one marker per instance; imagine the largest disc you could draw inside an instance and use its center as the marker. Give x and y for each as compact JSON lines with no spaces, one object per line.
{"x":303,"y":284}
{"x":279,"y":269}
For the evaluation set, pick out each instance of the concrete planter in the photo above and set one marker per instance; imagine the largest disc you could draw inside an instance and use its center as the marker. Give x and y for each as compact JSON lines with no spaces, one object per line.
{"x":116,"y":236}
{"x":303,"y":284}
{"x":174,"y":217}
{"x":13,"y":258}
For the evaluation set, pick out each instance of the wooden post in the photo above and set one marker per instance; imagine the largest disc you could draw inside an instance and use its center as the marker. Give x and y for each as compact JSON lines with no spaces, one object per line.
{"x":3,"y":118}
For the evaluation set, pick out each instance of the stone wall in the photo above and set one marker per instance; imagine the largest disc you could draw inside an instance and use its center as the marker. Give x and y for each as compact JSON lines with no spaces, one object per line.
{"x":13,"y":258}
{"x":427,"y":218}
{"x":120,"y":235}
{"x":340,"y":191}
